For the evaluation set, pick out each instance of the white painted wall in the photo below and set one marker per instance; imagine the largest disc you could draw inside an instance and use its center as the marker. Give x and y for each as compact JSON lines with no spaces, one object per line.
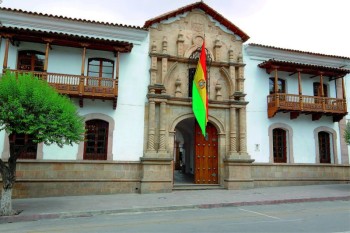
{"x":258,"y":123}
{"x":129,"y":115}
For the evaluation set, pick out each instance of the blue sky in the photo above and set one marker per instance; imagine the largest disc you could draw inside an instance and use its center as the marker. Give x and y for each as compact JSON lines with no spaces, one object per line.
{"x":310,"y":25}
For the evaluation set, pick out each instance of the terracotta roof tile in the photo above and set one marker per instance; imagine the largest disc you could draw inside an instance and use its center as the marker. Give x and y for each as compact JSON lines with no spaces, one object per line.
{"x":298,"y":51}
{"x":72,"y":19}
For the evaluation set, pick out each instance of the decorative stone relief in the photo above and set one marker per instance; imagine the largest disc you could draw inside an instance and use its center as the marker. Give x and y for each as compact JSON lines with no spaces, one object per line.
{"x":218,"y":91}
{"x":165,"y":45}
{"x":178,"y":92}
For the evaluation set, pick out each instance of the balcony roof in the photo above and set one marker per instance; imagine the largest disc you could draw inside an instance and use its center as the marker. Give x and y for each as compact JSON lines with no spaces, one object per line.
{"x":64,"y":39}
{"x":293,"y":67}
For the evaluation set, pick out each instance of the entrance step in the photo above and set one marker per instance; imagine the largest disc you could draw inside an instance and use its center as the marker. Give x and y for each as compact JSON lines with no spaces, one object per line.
{"x":179,"y":187}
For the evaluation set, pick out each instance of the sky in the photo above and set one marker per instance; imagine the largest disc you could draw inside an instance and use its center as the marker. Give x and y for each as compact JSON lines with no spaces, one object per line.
{"x":320,"y":26}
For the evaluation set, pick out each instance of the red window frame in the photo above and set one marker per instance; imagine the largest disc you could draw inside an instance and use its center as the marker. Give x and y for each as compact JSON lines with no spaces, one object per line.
{"x":31,"y":60}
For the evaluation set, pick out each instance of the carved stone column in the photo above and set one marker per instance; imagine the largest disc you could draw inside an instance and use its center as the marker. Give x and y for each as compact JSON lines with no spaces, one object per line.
{"x":164,"y":59}
{"x":217,"y":50}
{"x":180,"y":44}
{"x":151,"y":128}
{"x":162,"y":140}
{"x":232,"y":70}
{"x":240,"y":75}
{"x":242,"y":133}
{"x":153,"y":69}
{"x":233,"y":133}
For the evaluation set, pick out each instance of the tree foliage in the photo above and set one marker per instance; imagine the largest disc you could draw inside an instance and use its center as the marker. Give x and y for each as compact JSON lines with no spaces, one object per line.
{"x":29,"y":105}
{"x":347,"y":133}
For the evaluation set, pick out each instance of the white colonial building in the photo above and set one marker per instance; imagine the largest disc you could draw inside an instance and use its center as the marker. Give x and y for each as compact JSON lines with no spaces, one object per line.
{"x":276,"y":116}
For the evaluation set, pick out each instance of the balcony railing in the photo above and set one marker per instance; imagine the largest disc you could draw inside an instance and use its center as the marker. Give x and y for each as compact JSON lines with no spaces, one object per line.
{"x":79,"y":85}
{"x":282,"y":102}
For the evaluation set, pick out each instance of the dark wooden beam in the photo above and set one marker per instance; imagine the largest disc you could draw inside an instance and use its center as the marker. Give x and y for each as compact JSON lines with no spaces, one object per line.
{"x":294,"y":115}
{"x":316,"y":116}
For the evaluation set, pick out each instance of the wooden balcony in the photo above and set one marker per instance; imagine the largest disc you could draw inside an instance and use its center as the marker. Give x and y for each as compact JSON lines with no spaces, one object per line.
{"x":80,"y":86}
{"x":315,"y":105}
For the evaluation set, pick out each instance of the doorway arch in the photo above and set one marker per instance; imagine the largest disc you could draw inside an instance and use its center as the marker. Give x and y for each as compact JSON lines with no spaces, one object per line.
{"x":195,"y":156}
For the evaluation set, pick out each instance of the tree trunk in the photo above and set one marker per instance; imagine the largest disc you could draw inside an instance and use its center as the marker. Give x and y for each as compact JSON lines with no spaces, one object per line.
{"x":8,"y":174}
{"x":6,"y":203}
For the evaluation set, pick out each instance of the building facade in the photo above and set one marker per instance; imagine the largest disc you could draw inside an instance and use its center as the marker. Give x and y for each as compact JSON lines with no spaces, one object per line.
{"x":276,"y":116}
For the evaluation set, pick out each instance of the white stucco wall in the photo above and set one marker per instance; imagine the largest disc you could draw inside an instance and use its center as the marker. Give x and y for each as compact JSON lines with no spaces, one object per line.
{"x":129,"y":115}
{"x":258,"y":123}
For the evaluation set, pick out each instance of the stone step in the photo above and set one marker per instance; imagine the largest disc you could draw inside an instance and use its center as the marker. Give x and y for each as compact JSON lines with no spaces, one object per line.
{"x":179,"y":187}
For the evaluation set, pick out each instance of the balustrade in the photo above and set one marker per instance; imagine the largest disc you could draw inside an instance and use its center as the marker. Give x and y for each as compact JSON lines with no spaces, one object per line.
{"x":78,"y":85}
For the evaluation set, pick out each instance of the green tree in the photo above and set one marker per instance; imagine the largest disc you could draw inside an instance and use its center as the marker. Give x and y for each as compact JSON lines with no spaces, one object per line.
{"x":29,"y":105}
{"x":347,"y":133}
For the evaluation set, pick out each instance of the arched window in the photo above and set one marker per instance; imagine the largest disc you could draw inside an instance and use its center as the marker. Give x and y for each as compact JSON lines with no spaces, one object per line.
{"x":96,"y":140}
{"x":279,"y":145}
{"x":31,"y":60}
{"x":324,"y":147}
{"x":101,"y":67}
{"x":20,"y":140}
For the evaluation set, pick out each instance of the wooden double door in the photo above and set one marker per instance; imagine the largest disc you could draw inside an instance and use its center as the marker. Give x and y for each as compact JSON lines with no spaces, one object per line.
{"x":206,"y":155}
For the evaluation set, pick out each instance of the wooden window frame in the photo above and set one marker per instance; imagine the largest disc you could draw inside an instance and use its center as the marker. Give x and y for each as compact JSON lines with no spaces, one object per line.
{"x":32,"y":67}
{"x":100,"y":72}
{"x":98,"y":124}
{"x":316,"y":89}
{"x":28,"y":139}
{"x":324,"y":146}
{"x":279,"y":145}
{"x":272,"y":88}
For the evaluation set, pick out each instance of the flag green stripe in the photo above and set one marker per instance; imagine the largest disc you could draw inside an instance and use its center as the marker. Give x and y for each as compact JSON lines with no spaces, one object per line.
{"x":199,"y":108}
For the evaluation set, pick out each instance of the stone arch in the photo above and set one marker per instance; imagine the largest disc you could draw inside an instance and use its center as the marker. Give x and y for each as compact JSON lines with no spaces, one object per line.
{"x":334,"y":143}
{"x":290,"y":155}
{"x":226,"y":76}
{"x":217,"y":123}
{"x":169,"y":73}
{"x":104,"y":117}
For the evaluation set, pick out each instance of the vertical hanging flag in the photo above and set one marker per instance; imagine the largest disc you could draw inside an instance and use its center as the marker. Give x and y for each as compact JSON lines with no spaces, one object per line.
{"x":199,"y":92}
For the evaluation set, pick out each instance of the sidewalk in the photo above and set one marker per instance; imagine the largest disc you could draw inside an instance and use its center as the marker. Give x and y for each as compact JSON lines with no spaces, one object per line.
{"x":83,"y":206}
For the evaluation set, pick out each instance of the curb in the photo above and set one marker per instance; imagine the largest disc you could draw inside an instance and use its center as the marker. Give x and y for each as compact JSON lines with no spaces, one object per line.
{"x":63,"y":215}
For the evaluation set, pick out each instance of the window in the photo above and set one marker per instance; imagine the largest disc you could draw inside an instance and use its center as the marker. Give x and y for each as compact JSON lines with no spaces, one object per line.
{"x":191,"y":73}
{"x":279,"y":145}
{"x":281,"y":85}
{"x":317,"y":90}
{"x":324,"y":147}
{"x":96,"y":139}
{"x":100,"y":67}
{"x":19,"y":140}
{"x":31,"y":60}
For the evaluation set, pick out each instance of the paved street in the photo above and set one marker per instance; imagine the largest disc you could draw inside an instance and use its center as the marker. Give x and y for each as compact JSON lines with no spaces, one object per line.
{"x":332,"y":216}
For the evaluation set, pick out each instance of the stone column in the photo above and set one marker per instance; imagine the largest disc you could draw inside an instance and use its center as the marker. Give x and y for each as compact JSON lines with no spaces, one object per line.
{"x":153,"y":69}
{"x":242,"y":133}
{"x":162,"y":140}
{"x":151,"y":127}
{"x":164,"y":59}
{"x":232,"y":71}
{"x":233,"y":135}
{"x":180,"y":44}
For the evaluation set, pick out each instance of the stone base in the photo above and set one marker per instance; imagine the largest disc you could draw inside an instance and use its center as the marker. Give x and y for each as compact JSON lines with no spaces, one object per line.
{"x":238,"y":173}
{"x":156,"y":175}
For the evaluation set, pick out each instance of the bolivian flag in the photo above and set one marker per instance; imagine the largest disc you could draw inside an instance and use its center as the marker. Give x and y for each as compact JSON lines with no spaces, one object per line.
{"x":199,"y":92}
